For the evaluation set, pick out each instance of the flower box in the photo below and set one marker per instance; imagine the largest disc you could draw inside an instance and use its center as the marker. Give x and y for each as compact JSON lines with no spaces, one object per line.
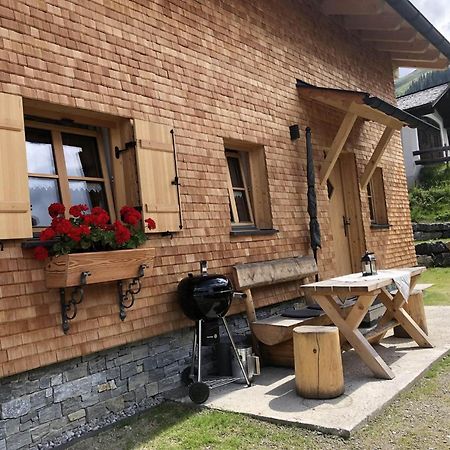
{"x":65,"y":270}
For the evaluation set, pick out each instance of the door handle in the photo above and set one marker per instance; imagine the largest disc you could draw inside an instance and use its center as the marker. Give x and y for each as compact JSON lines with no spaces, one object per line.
{"x":346,"y":222}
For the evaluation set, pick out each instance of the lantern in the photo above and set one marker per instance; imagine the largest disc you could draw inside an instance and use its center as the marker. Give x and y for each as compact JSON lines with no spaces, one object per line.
{"x":368,"y":264}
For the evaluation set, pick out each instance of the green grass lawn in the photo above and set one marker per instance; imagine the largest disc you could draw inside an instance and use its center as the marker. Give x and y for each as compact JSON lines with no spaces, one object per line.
{"x":439,"y":294}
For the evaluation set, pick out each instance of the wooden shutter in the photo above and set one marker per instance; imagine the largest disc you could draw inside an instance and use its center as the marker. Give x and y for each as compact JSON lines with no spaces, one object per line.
{"x":157,"y":175}
{"x":15,"y":214}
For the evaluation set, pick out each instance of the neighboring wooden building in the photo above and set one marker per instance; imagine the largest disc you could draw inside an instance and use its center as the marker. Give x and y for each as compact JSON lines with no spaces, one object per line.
{"x":224,"y":80}
{"x":426,"y":146}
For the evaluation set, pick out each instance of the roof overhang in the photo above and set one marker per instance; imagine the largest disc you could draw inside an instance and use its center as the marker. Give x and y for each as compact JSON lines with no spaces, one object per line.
{"x":358,"y":104}
{"x":395,"y":27}
{"x":363,"y":105}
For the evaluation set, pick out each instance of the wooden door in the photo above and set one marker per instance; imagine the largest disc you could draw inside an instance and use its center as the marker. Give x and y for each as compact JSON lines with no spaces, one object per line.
{"x":345,"y":215}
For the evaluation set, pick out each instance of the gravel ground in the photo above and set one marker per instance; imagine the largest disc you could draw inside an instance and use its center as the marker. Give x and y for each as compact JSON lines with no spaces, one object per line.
{"x":418,"y":419}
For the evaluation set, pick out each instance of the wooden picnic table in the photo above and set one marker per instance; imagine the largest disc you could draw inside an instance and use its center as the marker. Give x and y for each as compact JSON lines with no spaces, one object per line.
{"x":330,"y":293}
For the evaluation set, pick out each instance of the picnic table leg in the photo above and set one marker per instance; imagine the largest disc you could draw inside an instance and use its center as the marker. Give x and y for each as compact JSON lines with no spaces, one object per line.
{"x":366,"y":352}
{"x":395,"y":306}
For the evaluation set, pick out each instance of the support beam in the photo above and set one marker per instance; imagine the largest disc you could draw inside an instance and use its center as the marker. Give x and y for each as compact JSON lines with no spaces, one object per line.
{"x":352,"y":7}
{"x":431,"y":55}
{"x":384,"y":21}
{"x":402,"y":35}
{"x":337,"y":146}
{"x":404,"y":62}
{"x":376,"y":157}
{"x":416,"y":46}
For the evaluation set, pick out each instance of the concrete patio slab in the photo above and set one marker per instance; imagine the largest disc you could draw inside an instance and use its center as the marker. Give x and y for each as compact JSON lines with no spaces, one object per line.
{"x":272,"y":395}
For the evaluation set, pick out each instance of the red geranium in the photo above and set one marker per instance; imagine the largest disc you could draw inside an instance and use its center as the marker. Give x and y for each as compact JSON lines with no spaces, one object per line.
{"x":47,"y":234}
{"x":130,"y":215}
{"x":151,"y":224}
{"x":77,"y":210}
{"x":56,"y":209}
{"x":40,"y":253}
{"x":91,"y":232}
{"x":121,"y":233}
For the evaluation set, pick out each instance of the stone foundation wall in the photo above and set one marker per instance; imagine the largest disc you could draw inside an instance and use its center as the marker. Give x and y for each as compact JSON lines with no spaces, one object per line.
{"x":54,"y":404}
{"x":428,"y":231}
{"x":433,"y":254}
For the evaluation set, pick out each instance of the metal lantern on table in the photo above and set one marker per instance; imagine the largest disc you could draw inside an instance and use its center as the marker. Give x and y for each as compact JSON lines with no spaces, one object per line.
{"x":369,"y":264}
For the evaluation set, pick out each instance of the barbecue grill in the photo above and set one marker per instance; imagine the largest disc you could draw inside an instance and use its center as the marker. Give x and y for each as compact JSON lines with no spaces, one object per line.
{"x":205,"y":298}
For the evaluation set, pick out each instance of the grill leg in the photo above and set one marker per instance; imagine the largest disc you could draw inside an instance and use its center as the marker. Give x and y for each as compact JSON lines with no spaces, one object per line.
{"x":194,"y":352}
{"x":199,"y":354}
{"x":235,"y":352}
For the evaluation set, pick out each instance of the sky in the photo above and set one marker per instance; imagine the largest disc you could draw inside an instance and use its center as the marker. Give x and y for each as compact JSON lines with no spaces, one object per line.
{"x":438,"y":13}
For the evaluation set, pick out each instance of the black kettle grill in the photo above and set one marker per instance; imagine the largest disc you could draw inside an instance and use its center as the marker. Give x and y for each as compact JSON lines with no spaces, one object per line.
{"x":206,"y":298}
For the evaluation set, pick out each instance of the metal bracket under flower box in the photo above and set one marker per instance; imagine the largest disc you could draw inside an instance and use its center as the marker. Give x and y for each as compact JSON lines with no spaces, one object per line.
{"x":77,"y":270}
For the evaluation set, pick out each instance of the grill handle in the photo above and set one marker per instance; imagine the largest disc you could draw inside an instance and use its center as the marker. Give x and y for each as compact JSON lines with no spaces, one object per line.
{"x":237,"y":295}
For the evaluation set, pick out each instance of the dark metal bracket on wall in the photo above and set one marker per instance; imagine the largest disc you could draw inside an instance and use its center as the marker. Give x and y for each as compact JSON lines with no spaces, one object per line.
{"x":176,"y":181}
{"x":127,"y":298}
{"x":128,"y":146}
{"x":69,"y":308}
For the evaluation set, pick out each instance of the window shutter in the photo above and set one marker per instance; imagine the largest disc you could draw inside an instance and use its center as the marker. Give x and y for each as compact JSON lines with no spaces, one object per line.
{"x":15,"y":214}
{"x":157,"y":175}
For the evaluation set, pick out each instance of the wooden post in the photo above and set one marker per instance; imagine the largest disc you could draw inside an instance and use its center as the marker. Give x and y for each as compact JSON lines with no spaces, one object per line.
{"x":416,"y":310}
{"x":251,"y":317}
{"x":318,"y":362}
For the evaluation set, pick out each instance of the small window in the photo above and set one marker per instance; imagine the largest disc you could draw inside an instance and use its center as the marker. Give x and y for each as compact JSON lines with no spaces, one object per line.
{"x":248,"y":188}
{"x":377,"y":199}
{"x":65,"y":165}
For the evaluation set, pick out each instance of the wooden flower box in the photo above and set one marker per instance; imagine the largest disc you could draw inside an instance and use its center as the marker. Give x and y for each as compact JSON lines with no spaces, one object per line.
{"x":65,"y":270}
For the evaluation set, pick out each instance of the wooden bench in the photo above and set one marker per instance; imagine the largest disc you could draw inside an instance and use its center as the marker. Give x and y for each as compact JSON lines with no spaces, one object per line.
{"x":272,"y":337}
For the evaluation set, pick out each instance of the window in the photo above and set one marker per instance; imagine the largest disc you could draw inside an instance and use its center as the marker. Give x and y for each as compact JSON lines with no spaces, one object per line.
{"x":248,"y":188}
{"x":377,"y":199}
{"x":67,"y":165}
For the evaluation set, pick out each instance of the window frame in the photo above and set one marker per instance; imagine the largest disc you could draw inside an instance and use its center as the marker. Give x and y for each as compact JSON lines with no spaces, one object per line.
{"x":61,"y":176}
{"x":376,"y":196}
{"x":238,"y":155}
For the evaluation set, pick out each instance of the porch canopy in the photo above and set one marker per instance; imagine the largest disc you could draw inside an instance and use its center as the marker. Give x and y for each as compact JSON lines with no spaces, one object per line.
{"x":358,"y":104}
{"x":395,"y":27}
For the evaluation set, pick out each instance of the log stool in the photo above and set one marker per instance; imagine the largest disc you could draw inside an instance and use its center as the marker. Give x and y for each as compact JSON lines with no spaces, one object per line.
{"x":318,"y":362}
{"x":414,"y":307}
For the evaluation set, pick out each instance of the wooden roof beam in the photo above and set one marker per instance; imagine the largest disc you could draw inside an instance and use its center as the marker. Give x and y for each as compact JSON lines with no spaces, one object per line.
{"x":431,"y":55}
{"x":336,"y":147}
{"x":402,"y":35}
{"x":416,"y":46}
{"x":352,"y":7}
{"x":368,"y":113}
{"x":384,"y":21}
{"x":404,"y":62}
{"x":376,"y":156}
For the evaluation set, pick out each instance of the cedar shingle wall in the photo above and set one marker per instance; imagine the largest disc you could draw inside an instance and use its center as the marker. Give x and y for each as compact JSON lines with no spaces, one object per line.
{"x":215,"y":70}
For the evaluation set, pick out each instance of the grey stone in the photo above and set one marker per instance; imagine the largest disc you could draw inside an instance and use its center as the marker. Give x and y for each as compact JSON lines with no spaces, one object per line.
{"x":128,"y":370}
{"x":169,"y":383}
{"x":427,"y":235}
{"x":425,"y":260}
{"x":19,"y":440}
{"x":112,"y":373}
{"x":140,"y":352}
{"x":151,"y":389}
{"x":150,"y":363}
{"x":39,"y":432}
{"x":171,"y":369}
{"x":78,"y":387}
{"x":2,"y":444}
{"x":141,"y":393}
{"x":90,"y":399}
{"x":125,"y":359}
{"x":96,"y":411}
{"x":431,"y":248}
{"x":129,"y":397}
{"x":56,"y":380}
{"x":115,"y":404}
{"x":71,"y":405}
{"x":97,"y":365}
{"x":16,"y":408}
{"x":442,"y":260}
{"x":77,"y":415}
{"x":137,"y":381}
{"x":50,"y":413}
{"x":80,"y":371}
{"x":108,"y":386}
{"x":39,"y":400}
{"x":45,"y":382}
{"x":170,"y":357}
{"x":11,"y":426}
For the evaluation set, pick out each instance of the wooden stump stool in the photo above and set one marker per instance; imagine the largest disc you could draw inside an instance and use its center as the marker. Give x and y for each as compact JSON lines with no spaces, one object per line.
{"x":414,"y":307}
{"x":318,"y":362}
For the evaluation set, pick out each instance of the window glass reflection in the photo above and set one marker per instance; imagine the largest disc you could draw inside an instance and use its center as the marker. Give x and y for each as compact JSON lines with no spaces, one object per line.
{"x":39,"y":151}
{"x":87,"y":193}
{"x":43,"y":192}
{"x":81,"y":156}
